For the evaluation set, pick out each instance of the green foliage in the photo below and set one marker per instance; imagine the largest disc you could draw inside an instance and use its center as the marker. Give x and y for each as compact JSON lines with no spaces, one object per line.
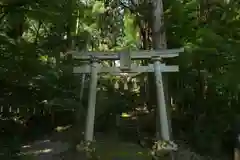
{"x":130,"y":30}
{"x":207,"y":71}
{"x":206,"y":90}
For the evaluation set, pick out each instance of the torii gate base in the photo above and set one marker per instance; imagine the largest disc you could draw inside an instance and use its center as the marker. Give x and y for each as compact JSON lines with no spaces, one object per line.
{"x":125,"y":66}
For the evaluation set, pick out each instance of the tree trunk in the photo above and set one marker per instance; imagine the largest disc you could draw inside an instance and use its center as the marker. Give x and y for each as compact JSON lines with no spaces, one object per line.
{"x":159,"y":42}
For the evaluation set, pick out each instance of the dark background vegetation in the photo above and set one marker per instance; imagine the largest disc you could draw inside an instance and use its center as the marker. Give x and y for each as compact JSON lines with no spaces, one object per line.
{"x":34,"y":73}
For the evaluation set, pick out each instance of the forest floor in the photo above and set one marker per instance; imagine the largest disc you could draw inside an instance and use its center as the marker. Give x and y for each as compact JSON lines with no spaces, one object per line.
{"x":57,"y":147}
{"x":109,"y":146}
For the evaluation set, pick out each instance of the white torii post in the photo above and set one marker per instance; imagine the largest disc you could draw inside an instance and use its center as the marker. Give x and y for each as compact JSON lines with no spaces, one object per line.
{"x":161,"y":101}
{"x":89,"y":131}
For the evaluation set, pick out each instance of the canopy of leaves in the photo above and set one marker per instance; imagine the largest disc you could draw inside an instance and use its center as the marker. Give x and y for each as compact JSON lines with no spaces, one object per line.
{"x":35,"y":35}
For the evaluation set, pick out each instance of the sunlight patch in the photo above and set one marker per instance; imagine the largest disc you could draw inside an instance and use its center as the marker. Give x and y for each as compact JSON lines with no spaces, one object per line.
{"x":125,"y":115}
{"x":47,"y":150}
{"x":26,"y":146}
{"x":62,"y":128}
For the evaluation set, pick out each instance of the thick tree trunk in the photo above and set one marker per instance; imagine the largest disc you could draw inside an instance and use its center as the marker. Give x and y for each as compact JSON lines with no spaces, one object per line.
{"x":159,"y":42}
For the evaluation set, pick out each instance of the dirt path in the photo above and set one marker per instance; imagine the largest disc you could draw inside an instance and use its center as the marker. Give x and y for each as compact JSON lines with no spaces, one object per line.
{"x":44,"y":149}
{"x":108,"y":148}
{"x":121,"y":151}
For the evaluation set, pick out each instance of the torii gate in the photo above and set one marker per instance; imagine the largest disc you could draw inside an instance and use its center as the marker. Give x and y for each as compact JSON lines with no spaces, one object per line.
{"x":126,"y":66}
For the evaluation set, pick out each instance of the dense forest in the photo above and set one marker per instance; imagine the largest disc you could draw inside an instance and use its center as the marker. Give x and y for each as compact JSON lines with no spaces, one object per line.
{"x":36,"y":71}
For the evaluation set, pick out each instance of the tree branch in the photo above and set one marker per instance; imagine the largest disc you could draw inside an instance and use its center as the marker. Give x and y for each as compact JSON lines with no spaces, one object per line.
{"x":132,"y":9}
{"x":37,"y":34}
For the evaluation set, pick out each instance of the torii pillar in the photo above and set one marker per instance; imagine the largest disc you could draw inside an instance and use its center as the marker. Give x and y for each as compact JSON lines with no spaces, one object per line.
{"x":162,"y":116}
{"x":89,"y":131}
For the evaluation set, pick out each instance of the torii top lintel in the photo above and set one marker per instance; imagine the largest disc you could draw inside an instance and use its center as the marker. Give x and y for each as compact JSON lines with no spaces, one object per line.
{"x":134,"y":55}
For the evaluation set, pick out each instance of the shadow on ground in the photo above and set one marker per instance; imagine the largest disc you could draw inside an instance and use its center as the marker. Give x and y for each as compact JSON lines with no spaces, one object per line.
{"x":58,"y":146}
